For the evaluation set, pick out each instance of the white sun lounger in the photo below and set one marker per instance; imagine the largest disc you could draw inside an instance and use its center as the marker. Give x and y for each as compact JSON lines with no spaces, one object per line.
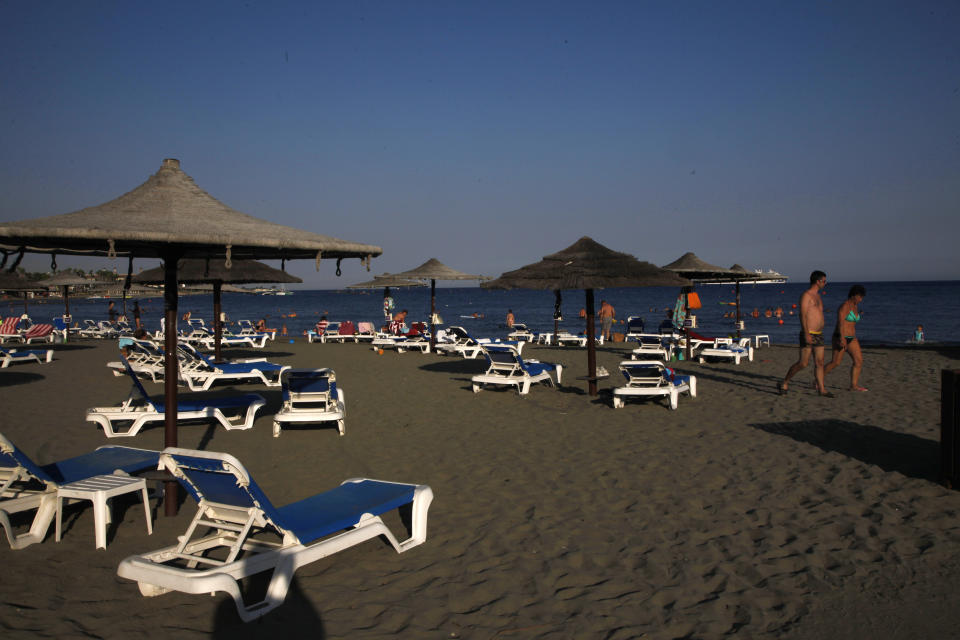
{"x":650,"y":378}
{"x":735,"y":352}
{"x":650,"y":345}
{"x":235,"y":508}
{"x":11,"y":356}
{"x":310,"y":396}
{"x":140,"y":409}
{"x":506,"y":367}
{"x":25,"y":485}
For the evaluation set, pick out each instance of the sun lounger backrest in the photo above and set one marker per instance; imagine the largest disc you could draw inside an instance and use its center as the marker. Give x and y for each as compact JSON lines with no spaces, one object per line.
{"x":366,"y":328}
{"x":9,"y":326}
{"x":136,"y":384}
{"x":347,"y":328}
{"x":12,"y":458}
{"x":643,"y":373}
{"x":217,"y":477}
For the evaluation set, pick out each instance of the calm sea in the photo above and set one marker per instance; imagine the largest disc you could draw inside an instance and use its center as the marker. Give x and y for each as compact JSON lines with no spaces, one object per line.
{"x":891,"y":310}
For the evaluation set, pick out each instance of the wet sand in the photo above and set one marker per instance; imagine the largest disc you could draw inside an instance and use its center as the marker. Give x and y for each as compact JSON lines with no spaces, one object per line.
{"x":556,"y":516}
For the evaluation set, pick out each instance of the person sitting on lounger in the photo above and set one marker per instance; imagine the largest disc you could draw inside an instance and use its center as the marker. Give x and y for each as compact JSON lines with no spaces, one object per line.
{"x":322,"y":325}
{"x":398,"y":324}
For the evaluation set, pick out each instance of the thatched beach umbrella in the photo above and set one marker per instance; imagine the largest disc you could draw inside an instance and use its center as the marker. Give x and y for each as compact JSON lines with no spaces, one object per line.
{"x":16,"y":282}
{"x":587,"y":264}
{"x":434,"y":270}
{"x":213,"y":272}
{"x":693,"y":268}
{"x":64,"y":280}
{"x":386,"y":281}
{"x":170,"y":217}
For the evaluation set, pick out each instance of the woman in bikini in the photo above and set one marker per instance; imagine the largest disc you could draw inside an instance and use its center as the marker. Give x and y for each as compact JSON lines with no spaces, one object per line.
{"x":845,"y":336}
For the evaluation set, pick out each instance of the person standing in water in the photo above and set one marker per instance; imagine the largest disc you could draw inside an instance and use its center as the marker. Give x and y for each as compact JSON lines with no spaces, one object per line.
{"x":845,"y":336}
{"x":811,"y":335}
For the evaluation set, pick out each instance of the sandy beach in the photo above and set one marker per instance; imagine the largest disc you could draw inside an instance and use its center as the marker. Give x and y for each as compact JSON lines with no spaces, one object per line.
{"x":742,"y":513}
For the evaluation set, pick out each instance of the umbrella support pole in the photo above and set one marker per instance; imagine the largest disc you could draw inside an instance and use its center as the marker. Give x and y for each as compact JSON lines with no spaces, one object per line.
{"x":171,"y":489}
{"x":738,"y":310}
{"x":433,"y":315}
{"x":591,"y":348}
{"x":217,"y":324}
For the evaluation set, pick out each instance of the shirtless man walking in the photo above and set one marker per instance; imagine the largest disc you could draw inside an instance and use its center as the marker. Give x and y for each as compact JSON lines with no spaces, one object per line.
{"x":811,"y":334}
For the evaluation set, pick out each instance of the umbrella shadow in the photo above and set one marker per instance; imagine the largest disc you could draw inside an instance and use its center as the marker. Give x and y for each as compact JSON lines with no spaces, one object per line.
{"x":72,"y":346}
{"x":459,"y":366}
{"x":753,"y":381}
{"x":11,"y":379}
{"x":912,"y":456}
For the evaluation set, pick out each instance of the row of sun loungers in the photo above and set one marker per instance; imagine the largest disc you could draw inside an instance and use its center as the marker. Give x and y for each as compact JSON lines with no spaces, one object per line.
{"x":237,"y":531}
{"x":14,"y":329}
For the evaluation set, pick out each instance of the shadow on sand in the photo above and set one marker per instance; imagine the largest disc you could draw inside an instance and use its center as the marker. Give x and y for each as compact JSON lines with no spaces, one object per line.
{"x":910,"y":455}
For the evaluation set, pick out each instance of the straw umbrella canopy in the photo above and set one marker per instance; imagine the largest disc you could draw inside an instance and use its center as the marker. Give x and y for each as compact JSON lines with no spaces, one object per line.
{"x":690,"y":266}
{"x":64,"y":280}
{"x":16,"y":282}
{"x":198,"y":271}
{"x":170,"y":217}
{"x":588,"y":265}
{"x":434,"y":270}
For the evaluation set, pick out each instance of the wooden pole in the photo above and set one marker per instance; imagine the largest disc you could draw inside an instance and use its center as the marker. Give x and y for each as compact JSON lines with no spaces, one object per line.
{"x":591,"y":348}
{"x":738,"y":310}
{"x":170,"y":374}
{"x":217,"y":325}
{"x":558,"y":300}
{"x":433,"y":314}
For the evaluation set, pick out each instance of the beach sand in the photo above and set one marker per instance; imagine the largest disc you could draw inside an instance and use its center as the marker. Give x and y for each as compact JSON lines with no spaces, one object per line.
{"x":742,"y":513}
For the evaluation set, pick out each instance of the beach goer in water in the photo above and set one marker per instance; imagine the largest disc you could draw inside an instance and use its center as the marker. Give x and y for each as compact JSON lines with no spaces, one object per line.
{"x":755,"y":313}
{"x":510,"y":319}
{"x":387,"y":305}
{"x":606,"y":315}
{"x":185,"y":318}
{"x":398,"y":324}
{"x":845,"y":336}
{"x":136,"y":314}
{"x":583,"y":313}
{"x":918,"y":334}
{"x":811,"y":335}
{"x":111,"y":311}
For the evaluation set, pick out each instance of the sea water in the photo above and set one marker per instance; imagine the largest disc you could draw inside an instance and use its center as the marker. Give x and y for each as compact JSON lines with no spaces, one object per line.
{"x":891,"y":311}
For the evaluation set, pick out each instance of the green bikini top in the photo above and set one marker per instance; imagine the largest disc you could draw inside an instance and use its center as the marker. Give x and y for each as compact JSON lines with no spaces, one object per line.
{"x":853,"y":316}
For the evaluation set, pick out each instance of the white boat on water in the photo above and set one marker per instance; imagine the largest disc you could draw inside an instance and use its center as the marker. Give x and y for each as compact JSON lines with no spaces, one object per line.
{"x":763,"y":277}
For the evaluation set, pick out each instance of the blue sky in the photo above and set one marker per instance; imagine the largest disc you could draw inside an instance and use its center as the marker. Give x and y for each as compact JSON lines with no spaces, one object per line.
{"x":778,"y":135}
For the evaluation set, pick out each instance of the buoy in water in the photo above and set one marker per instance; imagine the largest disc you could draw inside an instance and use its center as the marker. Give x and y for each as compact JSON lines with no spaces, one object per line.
{"x":780,"y":321}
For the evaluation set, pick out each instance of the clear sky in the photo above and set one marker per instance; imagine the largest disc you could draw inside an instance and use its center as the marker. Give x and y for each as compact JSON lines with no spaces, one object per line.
{"x":785,"y":135}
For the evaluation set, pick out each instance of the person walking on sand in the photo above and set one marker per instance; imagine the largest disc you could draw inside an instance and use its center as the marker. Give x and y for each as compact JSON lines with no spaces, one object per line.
{"x":811,"y":335}
{"x":845,"y":336}
{"x":607,"y":314}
